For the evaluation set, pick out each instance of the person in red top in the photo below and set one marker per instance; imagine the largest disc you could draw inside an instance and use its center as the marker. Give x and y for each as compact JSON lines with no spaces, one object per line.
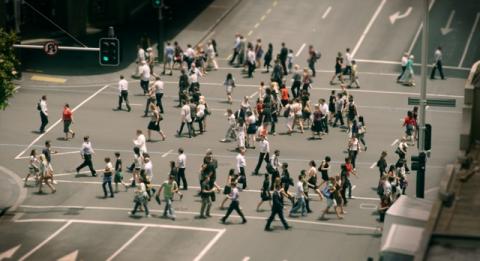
{"x":409,"y":123}
{"x":284,"y":95}
{"x":67,"y":118}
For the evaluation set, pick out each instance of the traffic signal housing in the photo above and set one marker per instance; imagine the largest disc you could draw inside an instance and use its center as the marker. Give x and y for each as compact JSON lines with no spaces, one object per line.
{"x":418,"y":162}
{"x":157,"y":3}
{"x":109,"y":52}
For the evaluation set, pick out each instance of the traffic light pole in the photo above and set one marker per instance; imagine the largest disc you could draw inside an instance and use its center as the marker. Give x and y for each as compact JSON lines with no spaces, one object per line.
{"x":161,"y":34}
{"x":420,"y":188}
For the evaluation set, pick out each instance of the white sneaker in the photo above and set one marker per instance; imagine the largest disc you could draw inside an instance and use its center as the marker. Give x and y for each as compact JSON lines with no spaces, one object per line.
{"x":55,"y":182}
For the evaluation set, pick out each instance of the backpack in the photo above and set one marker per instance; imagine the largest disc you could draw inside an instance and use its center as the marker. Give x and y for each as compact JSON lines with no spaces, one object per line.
{"x":380,"y":189}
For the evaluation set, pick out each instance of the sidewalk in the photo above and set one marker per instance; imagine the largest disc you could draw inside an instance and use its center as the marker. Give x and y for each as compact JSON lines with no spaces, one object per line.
{"x":12,"y":192}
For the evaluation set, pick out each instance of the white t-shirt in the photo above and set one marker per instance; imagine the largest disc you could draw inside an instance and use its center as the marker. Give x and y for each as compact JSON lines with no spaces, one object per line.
{"x":240,"y":162}
{"x":149,"y":170}
{"x":185,"y":113}
{"x":348,"y":59}
{"x":182,"y":161}
{"x":140,"y":143}
{"x":299,"y":189}
{"x":159,"y":86}
{"x":122,"y":85}
{"x":141,"y":55}
{"x":200,"y":110}
{"x":144,"y":72}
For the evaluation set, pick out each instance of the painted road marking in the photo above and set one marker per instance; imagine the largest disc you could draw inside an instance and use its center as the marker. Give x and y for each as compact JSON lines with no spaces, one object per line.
{"x":69,"y":257}
{"x":250,"y":33}
{"x":247,"y":258}
{"x":55,"y":154}
{"x":415,"y":64}
{"x":209,"y":245}
{"x":320,"y":223}
{"x":27,"y":255}
{"x":300,"y":50}
{"x":274,"y":3}
{"x":373,"y":165}
{"x":410,"y":49}
{"x":9,"y":253}
{"x":447,"y":29}
{"x":136,"y":104}
{"x":48,"y":79}
{"x":269,"y":10}
{"x":469,"y":40}
{"x":256,"y":25}
{"x":326,"y":12}
{"x":60,"y":120}
{"x":354,"y":187}
{"x":394,"y":17}
{"x":229,"y":57}
{"x":370,"y":23}
{"x":126,"y":244}
{"x":368,"y":206}
{"x":394,"y":142}
{"x":166,"y":153}
{"x":253,"y":95}
{"x":263,"y":17}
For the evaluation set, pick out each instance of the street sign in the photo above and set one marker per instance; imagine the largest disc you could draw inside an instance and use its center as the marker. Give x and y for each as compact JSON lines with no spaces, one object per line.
{"x":434,"y":102}
{"x":50,"y":48}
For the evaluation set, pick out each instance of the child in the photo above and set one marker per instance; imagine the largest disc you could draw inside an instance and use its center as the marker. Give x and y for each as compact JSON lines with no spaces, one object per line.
{"x":32,"y":167}
{"x":118,"y":172}
{"x":290,"y":60}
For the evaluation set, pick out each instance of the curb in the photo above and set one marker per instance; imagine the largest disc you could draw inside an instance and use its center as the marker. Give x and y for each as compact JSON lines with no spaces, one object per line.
{"x":19,"y":186}
{"x":220,"y":19}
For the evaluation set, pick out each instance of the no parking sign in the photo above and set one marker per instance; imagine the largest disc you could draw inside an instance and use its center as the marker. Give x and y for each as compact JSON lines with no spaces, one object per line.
{"x":50,"y":48}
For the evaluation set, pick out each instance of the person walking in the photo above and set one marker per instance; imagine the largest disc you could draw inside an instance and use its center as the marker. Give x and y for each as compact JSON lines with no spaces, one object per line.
{"x":264,"y":192}
{"x":118,"y":178}
{"x":140,"y":198}
{"x":348,"y":62}
{"x":42,"y":108}
{"x":205,"y":194}
{"x":159,"y":87}
{"x":186,"y":118}
{"x":339,"y":66}
{"x":230,"y":134}
{"x":86,"y":153}
{"x":438,"y":56}
{"x":300,"y":198}
{"x":354,"y":76}
{"x":277,"y":209}
{"x":181,"y":165}
{"x":264,"y":154}
{"x":267,"y":58}
{"x":123,"y":94}
{"x":382,"y":164}
{"x":107,"y":177}
{"x":45,"y":175}
{"x":168,"y":58}
{"x":407,"y":77}
{"x":283,"y":55}
{"x":236,"y":48}
{"x":183,"y":83}
{"x":67,"y":117}
{"x":140,"y":142}
{"x":234,"y":205}
{"x":154,"y":124}
{"x":313,"y":57}
{"x":144,"y":76}
{"x":251,"y":61}
{"x":403,"y":63}
{"x":241,"y":165}
{"x":229,"y":85}
{"x":211,"y":56}
{"x":33,"y":167}
{"x":169,"y":188}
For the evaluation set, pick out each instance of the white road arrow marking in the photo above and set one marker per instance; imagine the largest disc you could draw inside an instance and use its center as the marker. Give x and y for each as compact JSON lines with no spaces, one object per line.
{"x":394,"y":17}
{"x":447,"y":29}
{"x":9,"y":253}
{"x":70,"y":257}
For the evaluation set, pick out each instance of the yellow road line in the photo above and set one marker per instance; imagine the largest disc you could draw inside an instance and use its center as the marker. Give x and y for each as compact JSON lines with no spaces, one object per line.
{"x":48,"y":79}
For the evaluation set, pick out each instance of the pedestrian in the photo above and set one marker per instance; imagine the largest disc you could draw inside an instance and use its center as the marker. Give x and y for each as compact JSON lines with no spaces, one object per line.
{"x":186,"y":118}
{"x":409,"y":123}
{"x":229,"y":85}
{"x":353,"y":148}
{"x":151,"y":99}
{"x":277,"y":209}
{"x":169,"y":188}
{"x":183,"y":84}
{"x":200,"y":115}
{"x":45,"y":174}
{"x":348,"y":62}
{"x":382,"y":164}
{"x":189,"y":56}
{"x":354,"y":76}
{"x":241,"y":165}
{"x":158,"y":85}
{"x":154,"y":124}
{"x":362,"y":129}
{"x":329,"y":193}
{"x":339,"y":67}
{"x":267,"y":58}
{"x":286,"y":181}
{"x":33,"y":167}
{"x":147,"y":175}
{"x":312,"y":178}
{"x":331,"y":107}
{"x":137,"y":165}
{"x":264,"y":192}
{"x":324,"y":168}
{"x":240,"y":132}
{"x":325,"y":110}
{"x":140,"y":142}
{"x":236,"y":48}
{"x":118,"y":178}
{"x":438,"y":56}
{"x":47,"y":151}
{"x":290,"y":60}
{"x":351,"y":112}
{"x":107,"y":178}
{"x":264,"y":154}
{"x":251,"y":122}
{"x":299,"y":198}
{"x":67,"y":117}
{"x":283,"y":55}
{"x":313,"y":57}
{"x":211,"y":56}
{"x":403,"y":63}
{"x":181,"y":165}
{"x":231,"y":121}
{"x":86,"y":152}
{"x":234,"y":204}
{"x":144,"y":71}
{"x":205,"y":194}
{"x":231,"y":178}
{"x":140,"y":198}
{"x":150,"y":59}
{"x":168,"y":58}
{"x":123,"y":94}
{"x":339,"y":109}
{"x":408,"y":77}
{"x":42,"y":108}
{"x":251,"y":60}
{"x":178,"y":55}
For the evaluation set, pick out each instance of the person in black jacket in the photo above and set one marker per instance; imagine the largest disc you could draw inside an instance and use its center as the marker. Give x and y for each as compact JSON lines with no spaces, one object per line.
{"x":277,"y":209}
{"x":283,"y":58}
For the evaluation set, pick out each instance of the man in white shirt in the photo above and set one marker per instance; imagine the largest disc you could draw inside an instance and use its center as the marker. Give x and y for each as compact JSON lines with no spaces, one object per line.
{"x":140,"y":54}
{"x":264,"y":154}
{"x":140,"y":143}
{"x":186,"y":117}
{"x":188,"y":55}
{"x":241,"y":165}
{"x":348,"y":62}
{"x":234,"y":205}
{"x":144,"y":71}
{"x":230,"y":135}
{"x":194,"y":75}
{"x":300,"y":198}
{"x":168,"y":58}
{"x":159,"y":87}
{"x":403,"y":63}
{"x":123,"y":93}
{"x":42,"y":107}
{"x":211,"y":60}
{"x":86,"y":153}
{"x":275,"y":163}
{"x":181,"y":165}
{"x":437,"y":64}
{"x":325,"y":112}
{"x":251,"y":62}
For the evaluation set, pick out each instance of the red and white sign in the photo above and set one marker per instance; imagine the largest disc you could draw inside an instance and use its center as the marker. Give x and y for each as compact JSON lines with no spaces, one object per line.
{"x":50,"y":48}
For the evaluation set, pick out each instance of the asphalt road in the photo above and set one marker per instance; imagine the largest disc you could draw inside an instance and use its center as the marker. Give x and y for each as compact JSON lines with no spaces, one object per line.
{"x":77,"y":223}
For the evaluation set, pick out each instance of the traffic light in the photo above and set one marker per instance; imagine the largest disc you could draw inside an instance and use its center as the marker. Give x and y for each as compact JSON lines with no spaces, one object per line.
{"x":157,"y":3}
{"x":109,"y":51}
{"x":418,"y":162}
{"x":428,"y":137}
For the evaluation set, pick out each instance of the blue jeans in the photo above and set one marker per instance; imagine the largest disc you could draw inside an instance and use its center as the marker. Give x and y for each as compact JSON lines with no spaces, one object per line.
{"x":137,"y":205}
{"x":300,"y":204}
{"x":168,"y":208}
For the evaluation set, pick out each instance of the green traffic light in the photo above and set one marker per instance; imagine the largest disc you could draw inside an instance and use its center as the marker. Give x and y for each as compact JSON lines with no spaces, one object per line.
{"x":105,"y":58}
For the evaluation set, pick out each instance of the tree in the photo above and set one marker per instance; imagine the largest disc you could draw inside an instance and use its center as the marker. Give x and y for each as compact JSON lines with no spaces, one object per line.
{"x":8,"y":65}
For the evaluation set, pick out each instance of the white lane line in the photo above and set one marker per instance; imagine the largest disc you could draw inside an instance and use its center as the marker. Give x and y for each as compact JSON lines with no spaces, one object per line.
{"x":275,"y":3}
{"x":394,"y":142}
{"x":321,"y":223}
{"x":417,"y":34}
{"x":474,"y":27}
{"x":326,"y":12}
{"x":136,"y":104}
{"x":373,"y":165}
{"x":432,"y":189}
{"x":60,"y":120}
{"x":414,"y":64}
{"x":126,"y":244}
{"x":269,"y":10}
{"x":247,"y":258}
{"x":229,"y":57}
{"x":250,"y":33}
{"x":300,"y":50}
{"x":370,"y":23}
{"x":256,"y":25}
{"x":263,"y":17}
{"x":253,"y":94}
{"x":354,"y":187}
{"x":209,"y":245}
{"x":366,"y":198}
{"x":368,"y":206}
{"x":54,"y":154}
{"x":27,"y":255}
{"x":166,"y":153}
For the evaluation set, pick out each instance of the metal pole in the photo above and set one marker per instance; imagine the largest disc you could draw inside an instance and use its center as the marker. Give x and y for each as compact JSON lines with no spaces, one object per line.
{"x":68,"y":48}
{"x":423,"y":100}
{"x":161,"y":34}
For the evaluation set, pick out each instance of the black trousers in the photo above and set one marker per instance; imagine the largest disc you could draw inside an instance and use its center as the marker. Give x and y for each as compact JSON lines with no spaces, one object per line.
{"x":144,"y":85}
{"x":324,"y":122}
{"x":311,"y":65}
{"x":275,"y":212}
{"x":438,"y":66}
{"x":296,"y":88}
{"x":147,"y":107}
{"x":243,"y":177}
{"x":123,"y":97}
{"x":401,"y":74}
{"x":44,"y":119}
{"x":181,"y":176}
{"x":158,"y":97}
{"x":284,"y":66}
{"x":235,"y":54}
{"x":275,"y":175}
{"x":104,"y":186}
{"x":234,"y":205}
{"x":353,"y":156}
{"x":338,"y":117}
{"x":251,"y":69}
{"x":189,"y":127}
{"x":87,"y":161}
{"x":262,"y":157}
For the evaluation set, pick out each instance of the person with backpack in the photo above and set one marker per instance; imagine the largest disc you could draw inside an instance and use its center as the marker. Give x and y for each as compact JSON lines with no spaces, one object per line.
{"x":313,"y":57}
{"x":42,"y":108}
